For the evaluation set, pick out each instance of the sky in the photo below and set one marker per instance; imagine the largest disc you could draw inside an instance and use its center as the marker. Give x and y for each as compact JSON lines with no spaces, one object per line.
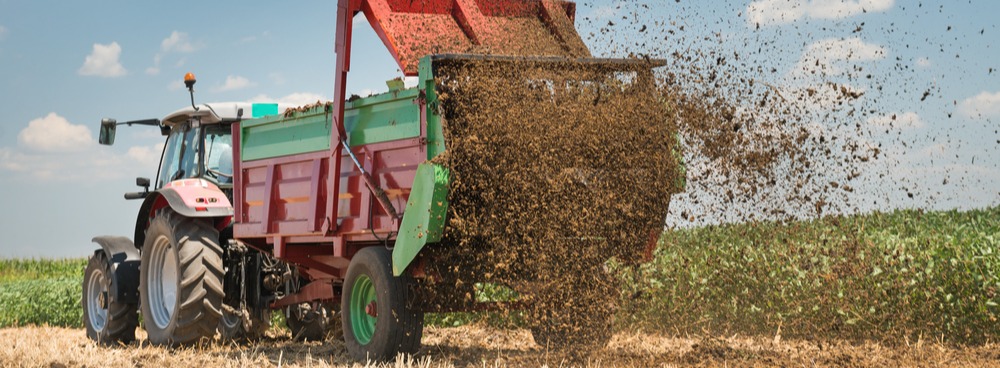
{"x":66,"y":65}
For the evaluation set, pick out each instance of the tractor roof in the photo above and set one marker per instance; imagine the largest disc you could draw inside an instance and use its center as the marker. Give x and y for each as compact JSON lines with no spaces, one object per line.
{"x":217,"y":112}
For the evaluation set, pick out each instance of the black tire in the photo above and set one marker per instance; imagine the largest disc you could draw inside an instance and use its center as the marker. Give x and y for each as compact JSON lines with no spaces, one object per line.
{"x":312,"y":324}
{"x":108,"y":322}
{"x":398,"y":323}
{"x":233,"y":326}
{"x":184,"y":310}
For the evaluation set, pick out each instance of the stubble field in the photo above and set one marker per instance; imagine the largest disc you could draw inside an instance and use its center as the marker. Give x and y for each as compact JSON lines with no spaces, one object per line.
{"x":482,"y":346}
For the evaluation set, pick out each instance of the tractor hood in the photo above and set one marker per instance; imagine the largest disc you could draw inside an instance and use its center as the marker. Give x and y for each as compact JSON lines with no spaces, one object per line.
{"x":214,"y":113}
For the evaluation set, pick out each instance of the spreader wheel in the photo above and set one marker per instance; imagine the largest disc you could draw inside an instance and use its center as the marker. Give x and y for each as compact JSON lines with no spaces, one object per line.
{"x":380,"y":313}
{"x":107,"y":321}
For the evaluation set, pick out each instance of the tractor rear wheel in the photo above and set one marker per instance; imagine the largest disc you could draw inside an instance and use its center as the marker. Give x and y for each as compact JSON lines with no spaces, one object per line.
{"x":180,"y":279}
{"x":107,"y":321}
{"x":380,"y":314}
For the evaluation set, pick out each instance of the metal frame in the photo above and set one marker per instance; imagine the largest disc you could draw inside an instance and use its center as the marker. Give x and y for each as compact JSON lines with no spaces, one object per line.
{"x":323,"y":242}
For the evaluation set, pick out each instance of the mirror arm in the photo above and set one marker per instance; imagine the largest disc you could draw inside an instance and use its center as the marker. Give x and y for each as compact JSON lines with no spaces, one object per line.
{"x":149,"y":122}
{"x":136,"y":195}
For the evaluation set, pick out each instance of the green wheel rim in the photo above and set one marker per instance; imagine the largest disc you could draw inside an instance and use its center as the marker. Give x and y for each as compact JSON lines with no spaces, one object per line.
{"x":362,"y":324}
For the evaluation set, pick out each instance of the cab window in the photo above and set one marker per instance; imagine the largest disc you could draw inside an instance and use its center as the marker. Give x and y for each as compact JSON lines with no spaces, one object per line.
{"x":219,"y":153}
{"x":180,"y":156}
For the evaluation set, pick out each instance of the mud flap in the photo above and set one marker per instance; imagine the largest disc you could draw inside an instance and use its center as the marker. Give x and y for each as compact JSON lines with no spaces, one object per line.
{"x":425,"y":215}
{"x":124,"y":258}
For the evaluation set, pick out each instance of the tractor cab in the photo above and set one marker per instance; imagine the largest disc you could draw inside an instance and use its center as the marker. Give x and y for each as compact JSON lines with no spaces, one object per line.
{"x":199,"y":142}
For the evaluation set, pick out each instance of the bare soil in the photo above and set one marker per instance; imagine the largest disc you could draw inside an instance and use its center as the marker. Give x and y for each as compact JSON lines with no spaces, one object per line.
{"x":473,"y":346}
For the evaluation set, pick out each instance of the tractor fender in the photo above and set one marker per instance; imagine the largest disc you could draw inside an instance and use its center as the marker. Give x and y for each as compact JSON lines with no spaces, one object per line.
{"x":189,"y":198}
{"x":123,"y":257}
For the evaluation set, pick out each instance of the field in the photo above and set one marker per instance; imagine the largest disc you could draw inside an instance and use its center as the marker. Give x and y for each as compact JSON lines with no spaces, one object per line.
{"x":911,"y":288}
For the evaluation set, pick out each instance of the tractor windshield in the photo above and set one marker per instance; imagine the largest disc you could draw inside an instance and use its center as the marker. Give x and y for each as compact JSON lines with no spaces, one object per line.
{"x":180,"y":158}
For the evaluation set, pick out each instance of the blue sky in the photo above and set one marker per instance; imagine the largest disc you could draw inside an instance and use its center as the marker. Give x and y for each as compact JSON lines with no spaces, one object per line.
{"x":66,"y":65}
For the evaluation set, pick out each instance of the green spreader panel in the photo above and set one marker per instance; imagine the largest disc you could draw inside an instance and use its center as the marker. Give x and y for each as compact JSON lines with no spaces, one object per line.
{"x":424,"y":219}
{"x":386,"y":117}
{"x":281,"y":135}
{"x":381,"y":118}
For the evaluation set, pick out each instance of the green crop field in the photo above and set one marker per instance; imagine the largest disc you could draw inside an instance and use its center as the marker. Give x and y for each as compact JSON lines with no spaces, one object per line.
{"x":902,"y":275}
{"x":885,"y":276}
{"x":41,"y":292}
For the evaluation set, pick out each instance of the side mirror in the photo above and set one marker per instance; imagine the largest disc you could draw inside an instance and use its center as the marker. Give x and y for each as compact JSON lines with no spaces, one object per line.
{"x":142,"y":182}
{"x":107,"y":136}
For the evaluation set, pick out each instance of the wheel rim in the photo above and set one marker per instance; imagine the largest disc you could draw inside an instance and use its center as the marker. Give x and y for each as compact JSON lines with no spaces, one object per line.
{"x":97,"y":294}
{"x":162,"y":281}
{"x":363,"y":299}
{"x":231,"y":320}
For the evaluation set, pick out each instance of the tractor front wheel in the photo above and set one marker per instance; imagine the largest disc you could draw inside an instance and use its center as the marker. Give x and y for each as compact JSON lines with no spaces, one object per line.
{"x":380,"y":314}
{"x":180,"y":279}
{"x":107,"y":321}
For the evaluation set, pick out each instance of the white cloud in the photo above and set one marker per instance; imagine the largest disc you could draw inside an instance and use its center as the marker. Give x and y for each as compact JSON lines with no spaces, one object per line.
{"x":898,"y":121}
{"x":254,"y":38}
{"x":234,"y":82}
{"x":936,"y":149}
{"x":175,"y":85}
{"x":178,"y":42}
{"x":3,"y":32}
{"x":147,"y":156}
{"x":53,"y":149}
{"x":923,"y":62}
{"x":767,"y":12}
{"x":277,"y":78}
{"x":983,"y":105}
{"x":103,"y":61}
{"x":297,"y":99}
{"x":54,"y":134}
{"x":828,"y":56}
{"x":607,"y":11}
{"x":851,"y":49}
{"x":155,"y":69}
{"x":94,"y":164}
